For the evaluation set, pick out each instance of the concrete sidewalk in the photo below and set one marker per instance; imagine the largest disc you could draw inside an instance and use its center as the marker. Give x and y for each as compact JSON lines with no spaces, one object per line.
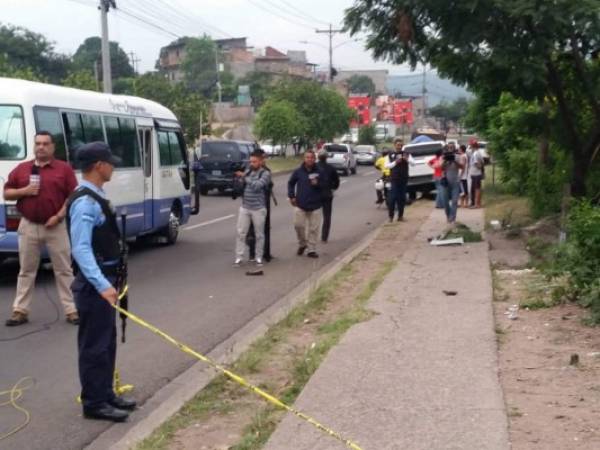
{"x":422,"y":373}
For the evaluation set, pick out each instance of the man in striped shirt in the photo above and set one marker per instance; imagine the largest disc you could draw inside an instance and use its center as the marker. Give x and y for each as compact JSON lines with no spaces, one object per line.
{"x":256,"y":181}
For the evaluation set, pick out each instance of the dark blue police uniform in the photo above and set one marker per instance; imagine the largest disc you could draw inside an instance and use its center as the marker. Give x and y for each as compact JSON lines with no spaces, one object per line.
{"x":96,"y":249}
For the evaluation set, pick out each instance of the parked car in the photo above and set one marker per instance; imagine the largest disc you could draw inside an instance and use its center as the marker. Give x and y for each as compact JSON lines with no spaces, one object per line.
{"x":341,"y":158}
{"x":365,"y":154}
{"x":270,"y":149}
{"x":219,"y":160}
{"x":420,"y":178}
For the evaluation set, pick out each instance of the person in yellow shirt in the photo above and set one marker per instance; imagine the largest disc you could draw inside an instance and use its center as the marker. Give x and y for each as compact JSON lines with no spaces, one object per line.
{"x":385,"y":174}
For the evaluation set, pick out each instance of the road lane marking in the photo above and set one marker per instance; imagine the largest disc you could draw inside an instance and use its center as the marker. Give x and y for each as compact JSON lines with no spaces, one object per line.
{"x":209,"y":222}
{"x":343,"y":181}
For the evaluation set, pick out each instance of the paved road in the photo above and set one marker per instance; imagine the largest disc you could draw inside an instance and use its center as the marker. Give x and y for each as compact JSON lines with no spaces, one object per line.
{"x":190,"y":290}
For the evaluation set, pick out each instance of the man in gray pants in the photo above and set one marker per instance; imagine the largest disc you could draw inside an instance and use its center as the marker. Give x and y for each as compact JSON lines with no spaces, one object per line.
{"x":256,"y":181}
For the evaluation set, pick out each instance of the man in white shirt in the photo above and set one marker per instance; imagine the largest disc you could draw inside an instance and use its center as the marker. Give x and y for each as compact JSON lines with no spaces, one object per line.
{"x":476,"y":171}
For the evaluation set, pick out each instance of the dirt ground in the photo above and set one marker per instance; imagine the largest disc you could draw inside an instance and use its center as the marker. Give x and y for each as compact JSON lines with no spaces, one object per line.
{"x":224,"y":426}
{"x":552,"y":404}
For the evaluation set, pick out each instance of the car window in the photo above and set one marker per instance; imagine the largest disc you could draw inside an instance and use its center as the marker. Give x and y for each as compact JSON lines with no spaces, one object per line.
{"x":423,"y":150}
{"x":221,"y":151}
{"x":336,"y":149}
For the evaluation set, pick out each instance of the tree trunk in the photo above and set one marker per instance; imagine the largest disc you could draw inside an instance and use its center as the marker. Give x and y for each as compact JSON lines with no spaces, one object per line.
{"x":578,"y":175}
{"x":544,"y":139}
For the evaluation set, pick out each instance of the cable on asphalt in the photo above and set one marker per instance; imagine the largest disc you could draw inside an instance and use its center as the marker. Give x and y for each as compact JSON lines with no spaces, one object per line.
{"x":14,"y":394}
{"x":232,"y":376}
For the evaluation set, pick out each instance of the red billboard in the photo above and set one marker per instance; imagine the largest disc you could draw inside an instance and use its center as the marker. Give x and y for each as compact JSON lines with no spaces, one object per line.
{"x":361,"y":104}
{"x":394,"y":110}
{"x":403,"y":112}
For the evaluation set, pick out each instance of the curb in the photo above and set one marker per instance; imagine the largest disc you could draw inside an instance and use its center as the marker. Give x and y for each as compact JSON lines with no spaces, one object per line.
{"x":173,"y":396}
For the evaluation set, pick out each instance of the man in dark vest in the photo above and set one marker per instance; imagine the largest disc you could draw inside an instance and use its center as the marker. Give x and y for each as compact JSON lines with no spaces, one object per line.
{"x":96,"y":247}
{"x":398,"y":162}
{"x":331,"y":183}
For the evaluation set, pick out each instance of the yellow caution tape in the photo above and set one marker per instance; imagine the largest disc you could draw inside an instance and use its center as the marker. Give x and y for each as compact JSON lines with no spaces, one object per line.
{"x":238,"y":379}
{"x":15,"y":393}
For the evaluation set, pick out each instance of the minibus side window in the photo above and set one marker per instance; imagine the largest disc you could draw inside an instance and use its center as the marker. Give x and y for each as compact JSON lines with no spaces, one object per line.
{"x":123,"y":140}
{"x":164,"y":149}
{"x":171,"y":148}
{"x":49,"y":120}
{"x":81,"y":129}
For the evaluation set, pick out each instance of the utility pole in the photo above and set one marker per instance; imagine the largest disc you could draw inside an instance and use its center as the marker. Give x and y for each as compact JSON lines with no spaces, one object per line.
{"x":330,"y":32}
{"x":424,"y":92}
{"x":134,"y":62}
{"x":104,"y":7}
{"x":217,"y":65}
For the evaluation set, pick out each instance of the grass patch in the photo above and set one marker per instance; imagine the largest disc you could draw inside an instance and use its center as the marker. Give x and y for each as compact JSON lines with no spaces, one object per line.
{"x":207,"y":402}
{"x":512,"y":211}
{"x":463,"y":231}
{"x":281,"y":164}
{"x":514,"y":412}
{"x":536,"y":303}
{"x":220,"y":396}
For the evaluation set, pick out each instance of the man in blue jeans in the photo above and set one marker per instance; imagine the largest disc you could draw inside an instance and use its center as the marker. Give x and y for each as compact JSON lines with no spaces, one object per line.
{"x":452,"y":166}
{"x":398,"y":162}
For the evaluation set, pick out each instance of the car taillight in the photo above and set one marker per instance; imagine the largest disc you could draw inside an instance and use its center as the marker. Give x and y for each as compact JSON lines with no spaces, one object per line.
{"x":13,"y":217}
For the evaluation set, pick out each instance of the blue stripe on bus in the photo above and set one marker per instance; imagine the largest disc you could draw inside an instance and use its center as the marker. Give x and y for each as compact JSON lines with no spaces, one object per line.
{"x":135,"y":220}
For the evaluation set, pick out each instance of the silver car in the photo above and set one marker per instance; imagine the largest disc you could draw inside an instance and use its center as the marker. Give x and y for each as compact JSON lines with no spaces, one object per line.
{"x":365,"y":154}
{"x":341,"y":158}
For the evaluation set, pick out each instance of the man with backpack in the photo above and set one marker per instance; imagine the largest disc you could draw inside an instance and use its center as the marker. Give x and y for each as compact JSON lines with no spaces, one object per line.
{"x":252,"y":186}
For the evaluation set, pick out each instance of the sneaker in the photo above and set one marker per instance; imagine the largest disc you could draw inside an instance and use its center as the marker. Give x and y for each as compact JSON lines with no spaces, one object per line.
{"x":17,"y":318}
{"x":238,"y":263}
{"x":312,"y":255}
{"x":259,"y":262}
{"x":301,"y":250}
{"x":400,"y":219}
{"x":73,"y":318}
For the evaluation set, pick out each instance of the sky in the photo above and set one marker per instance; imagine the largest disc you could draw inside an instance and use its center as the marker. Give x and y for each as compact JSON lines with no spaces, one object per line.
{"x":283,"y":24}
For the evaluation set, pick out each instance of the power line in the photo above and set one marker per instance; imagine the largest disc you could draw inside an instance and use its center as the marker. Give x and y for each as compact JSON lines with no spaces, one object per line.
{"x":148,"y":23}
{"x":193,"y":16}
{"x":303,"y":13}
{"x":258,"y":5}
{"x":285,"y":11}
{"x":155,"y":18}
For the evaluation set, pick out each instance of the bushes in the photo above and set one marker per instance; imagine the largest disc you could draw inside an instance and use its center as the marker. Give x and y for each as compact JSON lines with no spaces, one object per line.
{"x":579,"y":257}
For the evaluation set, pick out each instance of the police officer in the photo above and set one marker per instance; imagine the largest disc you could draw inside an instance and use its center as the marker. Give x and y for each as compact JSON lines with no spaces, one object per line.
{"x":96,"y":246}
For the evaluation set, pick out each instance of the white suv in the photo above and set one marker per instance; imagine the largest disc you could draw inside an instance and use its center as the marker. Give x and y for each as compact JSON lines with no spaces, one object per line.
{"x":341,"y":157}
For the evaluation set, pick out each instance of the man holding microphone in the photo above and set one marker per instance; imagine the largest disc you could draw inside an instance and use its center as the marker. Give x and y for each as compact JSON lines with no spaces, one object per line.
{"x":41,"y":188}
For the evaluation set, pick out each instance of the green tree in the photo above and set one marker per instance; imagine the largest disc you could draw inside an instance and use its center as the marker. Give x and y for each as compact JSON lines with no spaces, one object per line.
{"x":9,"y":71}
{"x":361,"y":84}
{"x":324,"y":111}
{"x":260,"y":83}
{"x":451,"y":112}
{"x":186,"y":105}
{"x":366,"y":135}
{"x":533,"y":52}
{"x":89,"y":53}
{"x":32,"y":54}
{"x":82,"y":79}
{"x":229,"y":87}
{"x":278,"y":121}
{"x":199,"y":65}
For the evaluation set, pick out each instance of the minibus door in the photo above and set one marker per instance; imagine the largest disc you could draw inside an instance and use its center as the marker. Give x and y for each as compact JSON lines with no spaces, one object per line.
{"x":145,"y":134}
